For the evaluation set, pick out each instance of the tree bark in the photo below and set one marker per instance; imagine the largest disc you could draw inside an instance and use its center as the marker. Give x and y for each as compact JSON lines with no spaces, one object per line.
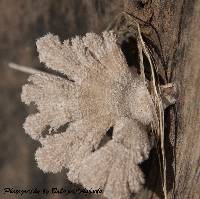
{"x":179,"y":30}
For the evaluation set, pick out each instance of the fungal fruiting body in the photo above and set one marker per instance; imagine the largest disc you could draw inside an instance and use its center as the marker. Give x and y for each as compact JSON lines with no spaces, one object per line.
{"x":100,"y":92}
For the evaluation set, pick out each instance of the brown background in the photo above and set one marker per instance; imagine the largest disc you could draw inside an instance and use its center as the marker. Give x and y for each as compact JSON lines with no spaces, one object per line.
{"x":21,"y":23}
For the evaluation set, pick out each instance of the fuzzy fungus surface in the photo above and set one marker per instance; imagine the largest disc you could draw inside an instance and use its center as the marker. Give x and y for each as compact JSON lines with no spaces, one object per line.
{"x":100,"y":92}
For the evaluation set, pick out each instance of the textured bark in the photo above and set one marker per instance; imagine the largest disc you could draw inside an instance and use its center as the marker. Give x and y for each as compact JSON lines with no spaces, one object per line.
{"x":177,"y":25}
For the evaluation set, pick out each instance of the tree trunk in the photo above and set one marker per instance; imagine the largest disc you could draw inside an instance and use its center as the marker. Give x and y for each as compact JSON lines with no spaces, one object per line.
{"x":170,"y":27}
{"x":177,"y":23}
